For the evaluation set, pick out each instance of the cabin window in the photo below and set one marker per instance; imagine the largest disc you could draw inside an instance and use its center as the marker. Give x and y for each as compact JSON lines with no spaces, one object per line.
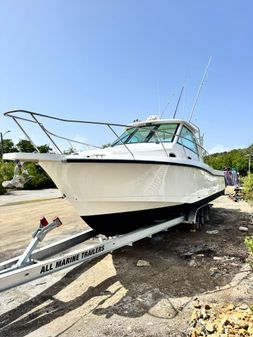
{"x":124,"y":137}
{"x":163,"y":133}
{"x":187,"y":139}
{"x":140,"y":135}
{"x":155,"y":133}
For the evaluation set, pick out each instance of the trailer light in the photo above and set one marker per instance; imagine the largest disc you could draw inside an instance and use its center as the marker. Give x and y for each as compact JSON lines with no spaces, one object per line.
{"x":43,"y":222}
{"x":57,"y":221}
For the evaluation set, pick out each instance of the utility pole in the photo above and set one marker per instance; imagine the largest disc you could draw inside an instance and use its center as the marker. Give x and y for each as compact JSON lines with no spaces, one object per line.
{"x":2,"y":142}
{"x":249,"y":155}
{"x":2,"y":145}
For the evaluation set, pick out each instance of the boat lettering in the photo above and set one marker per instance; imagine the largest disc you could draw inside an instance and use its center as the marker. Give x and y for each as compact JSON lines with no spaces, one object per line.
{"x":93,"y":251}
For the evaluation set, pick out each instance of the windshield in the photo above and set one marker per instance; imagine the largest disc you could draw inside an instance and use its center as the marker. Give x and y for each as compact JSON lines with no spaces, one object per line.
{"x":148,"y":134}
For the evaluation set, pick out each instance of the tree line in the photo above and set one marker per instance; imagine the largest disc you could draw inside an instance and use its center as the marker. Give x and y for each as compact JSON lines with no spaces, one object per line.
{"x":23,"y":145}
{"x":235,"y":159}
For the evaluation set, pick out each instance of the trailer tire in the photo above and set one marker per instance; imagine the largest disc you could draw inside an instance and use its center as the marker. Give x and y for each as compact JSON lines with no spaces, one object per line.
{"x":198,"y":221}
{"x":207,"y":213}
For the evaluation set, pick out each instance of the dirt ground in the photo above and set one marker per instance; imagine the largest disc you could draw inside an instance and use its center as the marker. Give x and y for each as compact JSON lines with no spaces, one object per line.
{"x":113,"y":296}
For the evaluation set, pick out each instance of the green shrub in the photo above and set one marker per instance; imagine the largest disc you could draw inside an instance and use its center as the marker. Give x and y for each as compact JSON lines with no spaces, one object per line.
{"x":249,"y":243}
{"x":6,"y":173}
{"x":247,"y":190}
{"x":39,"y":179}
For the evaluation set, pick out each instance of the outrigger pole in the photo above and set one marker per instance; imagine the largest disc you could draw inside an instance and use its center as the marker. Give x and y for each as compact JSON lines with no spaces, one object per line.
{"x":200,"y":87}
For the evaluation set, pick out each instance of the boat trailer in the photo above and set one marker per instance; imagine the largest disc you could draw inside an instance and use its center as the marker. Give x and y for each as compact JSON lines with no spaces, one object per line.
{"x":79,"y":248}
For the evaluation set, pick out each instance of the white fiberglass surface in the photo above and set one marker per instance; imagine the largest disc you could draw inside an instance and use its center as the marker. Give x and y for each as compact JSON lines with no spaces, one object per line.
{"x":104,"y":187}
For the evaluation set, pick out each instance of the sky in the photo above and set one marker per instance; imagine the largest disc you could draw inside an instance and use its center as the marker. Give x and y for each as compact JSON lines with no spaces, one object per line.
{"x":116,"y":61}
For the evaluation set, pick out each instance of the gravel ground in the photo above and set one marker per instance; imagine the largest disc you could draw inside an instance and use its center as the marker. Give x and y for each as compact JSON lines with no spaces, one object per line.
{"x":145,"y":290}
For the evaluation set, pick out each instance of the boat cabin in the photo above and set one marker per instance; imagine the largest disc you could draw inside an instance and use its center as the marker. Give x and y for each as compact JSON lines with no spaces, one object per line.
{"x":178,"y":136}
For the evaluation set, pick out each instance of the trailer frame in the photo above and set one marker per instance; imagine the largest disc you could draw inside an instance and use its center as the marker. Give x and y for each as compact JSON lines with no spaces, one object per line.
{"x":34,"y":264}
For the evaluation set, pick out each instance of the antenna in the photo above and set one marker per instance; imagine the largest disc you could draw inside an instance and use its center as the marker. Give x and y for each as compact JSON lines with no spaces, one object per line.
{"x":178,"y":102}
{"x":158,"y":98}
{"x":200,"y":87}
{"x":165,"y":108}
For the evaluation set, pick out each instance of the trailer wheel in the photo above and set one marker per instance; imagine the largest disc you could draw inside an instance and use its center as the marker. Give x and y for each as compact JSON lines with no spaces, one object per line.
{"x":202,"y":216}
{"x":199,"y":220}
{"x":207,"y":213}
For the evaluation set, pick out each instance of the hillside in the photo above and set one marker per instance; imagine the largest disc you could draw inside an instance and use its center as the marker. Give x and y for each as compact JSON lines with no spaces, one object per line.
{"x":237,"y":159}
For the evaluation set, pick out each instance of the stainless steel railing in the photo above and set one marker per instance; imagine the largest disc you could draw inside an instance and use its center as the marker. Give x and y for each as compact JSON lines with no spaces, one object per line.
{"x":20,"y":116}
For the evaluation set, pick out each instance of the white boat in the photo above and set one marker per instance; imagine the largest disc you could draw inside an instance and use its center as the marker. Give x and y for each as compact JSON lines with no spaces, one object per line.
{"x":153,"y":172}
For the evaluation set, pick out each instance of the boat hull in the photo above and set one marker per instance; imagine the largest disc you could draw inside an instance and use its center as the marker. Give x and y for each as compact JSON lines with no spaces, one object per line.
{"x":117,"y":197}
{"x":120,"y":223}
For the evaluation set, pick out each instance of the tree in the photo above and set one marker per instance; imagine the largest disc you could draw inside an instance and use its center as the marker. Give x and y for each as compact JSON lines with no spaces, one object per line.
{"x":231,"y":159}
{"x":250,"y":149}
{"x":39,"y":180}
{"x":44,"y":148}
{"x":248,"y":188}
{"x":25,"y":145}
{"x":8,"y":146}
{"x":6,"y":173}
{"x":71,"y":150}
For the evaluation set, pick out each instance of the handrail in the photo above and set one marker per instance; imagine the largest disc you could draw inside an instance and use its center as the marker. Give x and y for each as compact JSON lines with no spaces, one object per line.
{"x":48,"y":133}
{"x":34,"y":115}
{"x":156,"y":132}
{"x":12,"y":113}
{"x":8,"y":113}
{"x":109,"y":126}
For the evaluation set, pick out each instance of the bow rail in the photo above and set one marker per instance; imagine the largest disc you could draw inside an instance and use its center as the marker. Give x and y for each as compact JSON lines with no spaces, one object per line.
{"x":16,"y":115}
{"x":34,"y":117}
